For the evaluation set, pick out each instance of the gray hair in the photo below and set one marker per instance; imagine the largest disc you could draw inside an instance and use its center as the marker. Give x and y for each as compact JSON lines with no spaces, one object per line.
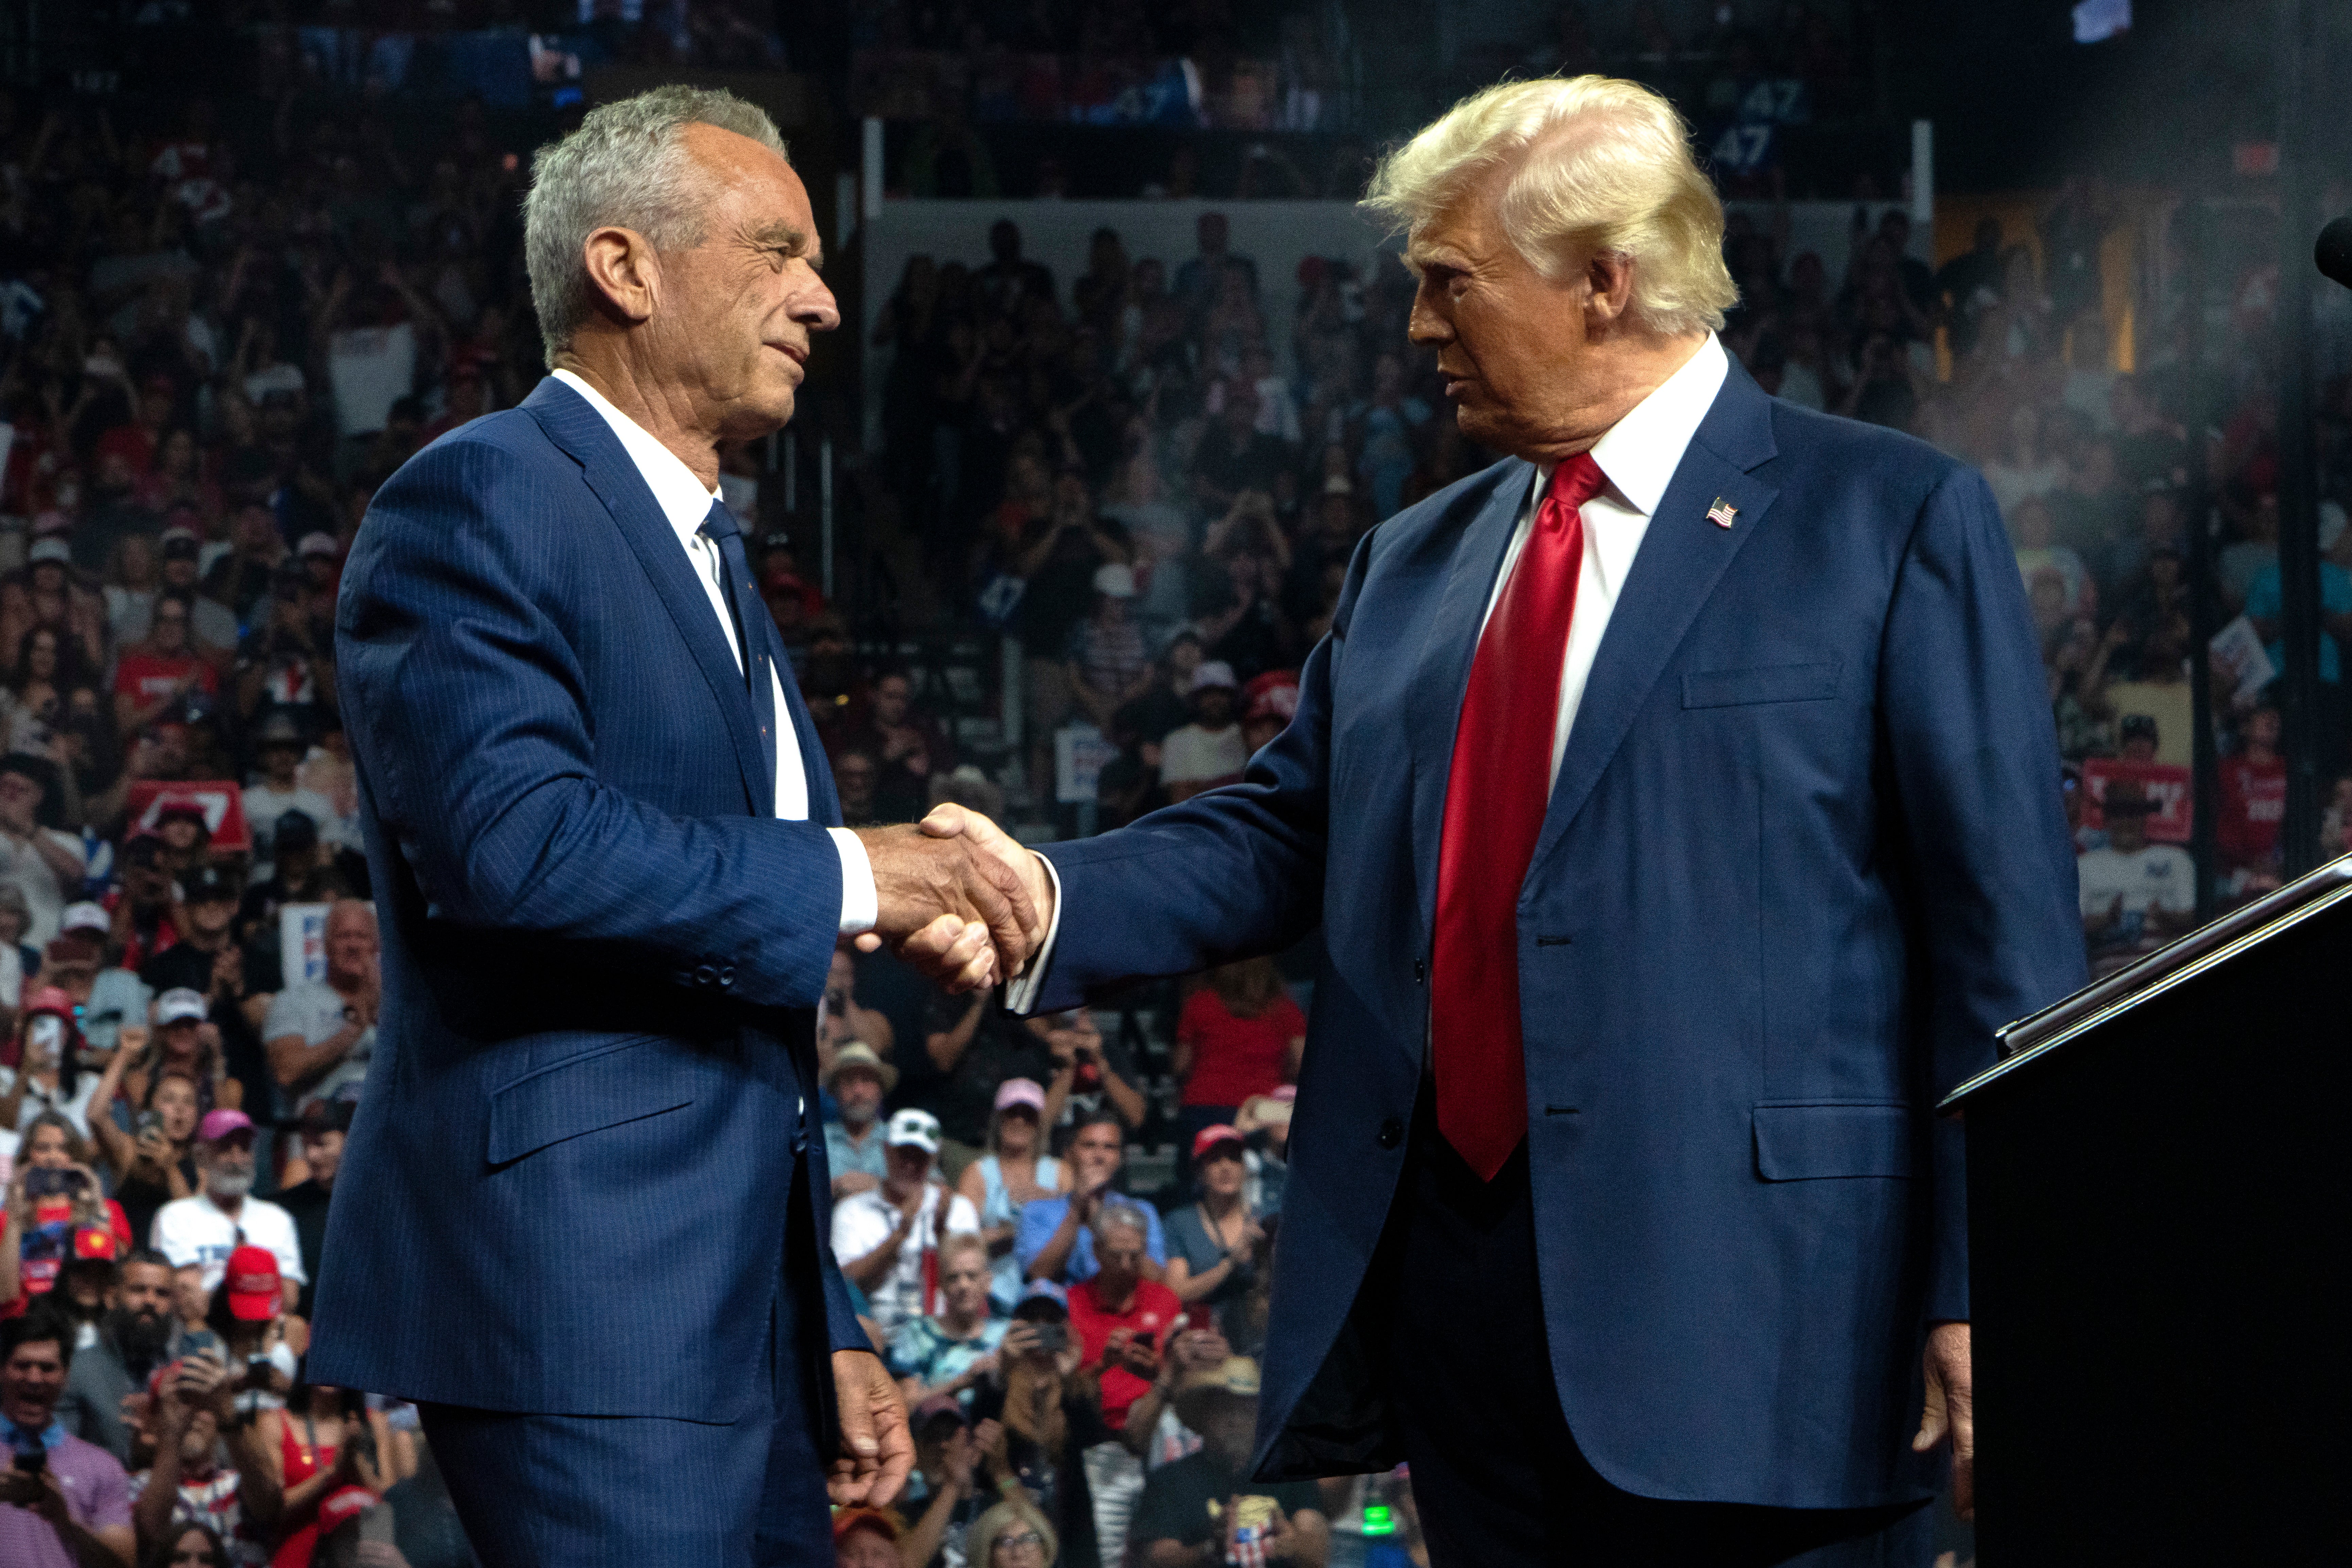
{"x":1120,"y":1214}
{"x":626,"y":166}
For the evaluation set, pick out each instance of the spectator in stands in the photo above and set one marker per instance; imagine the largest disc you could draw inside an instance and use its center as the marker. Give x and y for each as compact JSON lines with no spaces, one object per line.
{"x":302,"y":872}
{"x":321,"y":1034}
{"x":855,"y":1149}
{"x":2253,"y":808}
{"x":1208,"y":752}
{"x":1121,"y":1319}
{"x":57,"y":1212}
{"x":1092,"y":1076}
{"x":1198,"y":1510}
{"x":323,"y":1128}
{"x":41,"y":863}
{"x":1239,"y":1035}
{"x":1201,"y":277}
{"x":1212,"y":1244}
{"x":49,"y":1079}
{"x":1010,"y":283}
{"x":190,"y":1546}
{"x":1014,"y":1535}
{"x":1109,"y":665}
{"x":203,"y":1231}
{"x":951,"y":1351}
{"x":278,"y":749}
{"x":212,"y":625}
{"x":2136,"y":895}
{"x":865,"y":1537}
{"x":973,"y":1046}
{"x":210,"y":1468}
{"x":1268,"y":705}
{"x":887,"y":1238}
{"x":947,"y":1457}
{"x":74,"y":1506}
{"x":1264,"y":1123}
{"x":163,"y":674}
{"x":320,"y":1446}
{"x":1051,"y":1420}
{"x":1056,"y":1240}
{"x":908,"y":747}
{"x":846,"y":1019}
{"x":143,"y":920}
{"x":137,"y":1335}
{"x":1235,"y":458}
{"x":246,"y":1313}
{"x":1013,"y":1173}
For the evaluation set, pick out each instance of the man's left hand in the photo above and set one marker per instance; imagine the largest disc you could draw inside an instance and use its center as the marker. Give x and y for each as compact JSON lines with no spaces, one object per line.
{"x":1951,"y":1411}
{"x":877,"y":1448}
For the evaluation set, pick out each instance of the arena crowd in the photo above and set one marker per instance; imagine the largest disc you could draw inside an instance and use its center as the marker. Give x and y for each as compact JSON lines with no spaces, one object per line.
{"x":219,"y":332}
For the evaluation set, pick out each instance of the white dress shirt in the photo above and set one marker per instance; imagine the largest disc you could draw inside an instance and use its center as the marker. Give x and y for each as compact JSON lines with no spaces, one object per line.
{"x":1638,"y":457}
{"x":685,"y":503}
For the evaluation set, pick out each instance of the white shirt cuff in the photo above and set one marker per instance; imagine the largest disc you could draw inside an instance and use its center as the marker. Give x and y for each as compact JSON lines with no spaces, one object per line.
{"x":1021,"y":993}
{"x":861,"y":906}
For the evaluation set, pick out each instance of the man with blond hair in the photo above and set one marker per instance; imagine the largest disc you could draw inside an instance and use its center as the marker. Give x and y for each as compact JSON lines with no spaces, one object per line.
{"x":612,"y":872}
{"x":1678,"y":800}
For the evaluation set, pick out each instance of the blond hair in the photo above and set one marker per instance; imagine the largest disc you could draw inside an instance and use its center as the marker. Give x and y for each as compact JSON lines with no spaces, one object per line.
{"x":1602,"y":167}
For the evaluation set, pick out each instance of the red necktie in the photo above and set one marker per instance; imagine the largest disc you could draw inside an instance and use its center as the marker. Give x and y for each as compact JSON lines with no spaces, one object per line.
{"x":1494,"y":801}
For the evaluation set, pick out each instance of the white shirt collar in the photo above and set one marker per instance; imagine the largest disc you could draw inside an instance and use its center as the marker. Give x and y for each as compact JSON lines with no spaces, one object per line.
{"x":1640,"y":452}
{"x":676,"y":491}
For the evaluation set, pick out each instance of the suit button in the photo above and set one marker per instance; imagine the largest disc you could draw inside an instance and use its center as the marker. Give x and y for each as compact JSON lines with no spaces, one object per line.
{"x":1420,"y":971}
{"x":1392,"y":1132}
{"x":704,"y":975}
{"x":726,"y":975}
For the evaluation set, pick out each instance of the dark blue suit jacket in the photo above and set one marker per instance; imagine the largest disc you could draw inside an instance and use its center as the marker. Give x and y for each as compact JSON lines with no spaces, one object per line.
{"x":594,"y":1081}
{"x":1804,"y":854}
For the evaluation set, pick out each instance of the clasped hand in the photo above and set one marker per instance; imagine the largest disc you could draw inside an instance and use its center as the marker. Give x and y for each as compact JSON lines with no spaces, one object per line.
{"x":956,"y":898}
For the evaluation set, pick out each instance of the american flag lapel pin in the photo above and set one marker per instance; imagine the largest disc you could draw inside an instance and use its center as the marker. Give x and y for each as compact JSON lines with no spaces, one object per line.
{"x":1721,"y":512}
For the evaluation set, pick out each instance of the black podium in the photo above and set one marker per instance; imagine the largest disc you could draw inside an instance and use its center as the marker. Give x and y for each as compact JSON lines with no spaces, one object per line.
{"x":2157,"y":1181}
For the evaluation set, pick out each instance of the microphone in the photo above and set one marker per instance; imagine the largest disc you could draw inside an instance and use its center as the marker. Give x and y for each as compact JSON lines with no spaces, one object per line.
{"x":2334,"y":251}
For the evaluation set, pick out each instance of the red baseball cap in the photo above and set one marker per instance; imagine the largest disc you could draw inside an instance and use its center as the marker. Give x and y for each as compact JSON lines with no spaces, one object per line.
{"x":1208,"y":1138}
{"x":255,"y":1289}
{"x":1273,"y":695}
{"x":872,"y":1519}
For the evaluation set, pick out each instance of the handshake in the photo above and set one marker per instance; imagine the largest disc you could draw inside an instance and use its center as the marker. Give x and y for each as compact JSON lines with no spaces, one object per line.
{"x":957,"y":899}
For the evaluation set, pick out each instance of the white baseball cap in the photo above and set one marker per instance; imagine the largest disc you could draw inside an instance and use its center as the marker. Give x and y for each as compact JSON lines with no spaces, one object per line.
{"x":177,"y":1005}
{"x":913,"y":1128}
{"x":85,"y":916}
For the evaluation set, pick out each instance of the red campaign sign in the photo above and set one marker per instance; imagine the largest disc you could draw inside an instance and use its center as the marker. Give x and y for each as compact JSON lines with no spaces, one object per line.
{"x":2166,"y":784}
{"x":221,"y":801}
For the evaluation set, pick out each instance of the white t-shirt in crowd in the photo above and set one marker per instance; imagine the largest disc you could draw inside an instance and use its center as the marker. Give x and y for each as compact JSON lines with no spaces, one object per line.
{"x":864,"y":1221}
{"x":21,"y":863}
{"x":74,"y":1107}
{"x":2153,"y":877}
{"x":195,"y":1231}
{"x":1191,"y":754}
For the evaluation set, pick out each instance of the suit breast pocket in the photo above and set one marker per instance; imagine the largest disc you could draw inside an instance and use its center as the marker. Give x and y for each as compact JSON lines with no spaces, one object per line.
{"x":626,"y":1080}
{"x":1816,"y":681}
{"x":1805,"y":1142}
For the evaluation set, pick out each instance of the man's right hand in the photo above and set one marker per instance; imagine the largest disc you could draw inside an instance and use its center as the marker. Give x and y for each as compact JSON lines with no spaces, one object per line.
{"x":956,"y":912}
{"x":953,"y":821}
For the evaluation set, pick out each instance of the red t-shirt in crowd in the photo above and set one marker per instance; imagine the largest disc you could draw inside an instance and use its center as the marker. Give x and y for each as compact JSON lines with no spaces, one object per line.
{"x":2253,"y":806}
{"x":1233,"y":1058}
{"x":148,"y":676}
{"x":1153,"y":1310}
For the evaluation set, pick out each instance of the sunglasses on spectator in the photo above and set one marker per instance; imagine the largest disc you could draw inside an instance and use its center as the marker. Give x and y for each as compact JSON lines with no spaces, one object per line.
{"x":1026,"y":1538}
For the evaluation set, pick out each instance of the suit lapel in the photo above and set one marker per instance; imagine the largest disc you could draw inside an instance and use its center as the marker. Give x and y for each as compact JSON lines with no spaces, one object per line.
{"x":1682,"y":555}
{"x":1442,"y":678}
{"x":582,"y":432}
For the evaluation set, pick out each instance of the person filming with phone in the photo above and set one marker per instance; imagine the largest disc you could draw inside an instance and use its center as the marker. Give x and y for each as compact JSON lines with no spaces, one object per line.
{"x":64,"y":1503}
{"x":211,"y":1465}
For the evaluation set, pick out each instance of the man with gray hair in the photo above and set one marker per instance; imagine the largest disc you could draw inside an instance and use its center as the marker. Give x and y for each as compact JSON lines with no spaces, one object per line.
{"x":607,"y":855}
{"x":1678,"y":799}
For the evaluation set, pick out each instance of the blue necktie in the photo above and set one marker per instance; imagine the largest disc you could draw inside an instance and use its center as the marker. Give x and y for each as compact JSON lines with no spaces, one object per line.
{"x":734,"y":586}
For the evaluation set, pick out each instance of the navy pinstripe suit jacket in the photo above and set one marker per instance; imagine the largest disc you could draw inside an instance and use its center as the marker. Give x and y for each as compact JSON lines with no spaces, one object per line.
{"x":569,"y":1188}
